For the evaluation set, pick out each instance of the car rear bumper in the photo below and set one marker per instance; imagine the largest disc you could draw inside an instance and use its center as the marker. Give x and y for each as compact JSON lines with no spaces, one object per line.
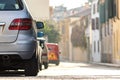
{"x":25,"y":51}
{"x":53,"y":61}
{"x":44,"y":59}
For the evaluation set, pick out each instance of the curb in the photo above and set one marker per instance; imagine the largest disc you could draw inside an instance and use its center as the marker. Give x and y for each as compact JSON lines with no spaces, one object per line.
{"x":107,"y":64}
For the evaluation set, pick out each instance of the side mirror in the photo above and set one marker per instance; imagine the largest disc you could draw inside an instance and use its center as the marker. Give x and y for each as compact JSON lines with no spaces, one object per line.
{"x":42,"y":45}
{"x":39,"y":25}
{"x":40,"y":34}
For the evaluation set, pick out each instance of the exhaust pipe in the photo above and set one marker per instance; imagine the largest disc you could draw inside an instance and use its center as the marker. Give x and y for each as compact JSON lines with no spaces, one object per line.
{"x":5,"y":57}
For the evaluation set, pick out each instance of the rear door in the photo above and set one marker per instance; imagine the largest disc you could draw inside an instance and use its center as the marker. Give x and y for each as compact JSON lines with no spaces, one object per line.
{"x":53,"y":52}
{"x":9,"y":11}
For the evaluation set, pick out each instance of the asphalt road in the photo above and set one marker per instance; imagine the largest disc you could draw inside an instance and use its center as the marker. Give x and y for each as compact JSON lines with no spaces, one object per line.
{"x":69,"y":71}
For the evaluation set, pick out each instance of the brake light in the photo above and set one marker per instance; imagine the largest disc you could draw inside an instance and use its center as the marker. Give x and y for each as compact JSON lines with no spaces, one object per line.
{"x":21,"y":24}
{"x":44,"y":54}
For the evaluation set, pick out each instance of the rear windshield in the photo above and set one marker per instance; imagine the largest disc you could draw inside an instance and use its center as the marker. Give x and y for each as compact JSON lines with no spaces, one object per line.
{"x":11,"y":5}
{"x":53,"y":47}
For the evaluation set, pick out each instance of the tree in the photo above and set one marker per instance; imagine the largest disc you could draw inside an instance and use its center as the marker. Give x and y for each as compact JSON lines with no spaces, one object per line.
{"x":51,"y":32}
{"x":78,"y":38}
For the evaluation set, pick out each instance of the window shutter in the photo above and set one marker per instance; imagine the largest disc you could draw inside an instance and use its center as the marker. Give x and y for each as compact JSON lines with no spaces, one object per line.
{"x":114,"y":8}
{"x":102,"y":13}
{"x":106,"y":10}
{"x":97,"y":23}
{"x":110,"y":9}
{"x":93,"y":24}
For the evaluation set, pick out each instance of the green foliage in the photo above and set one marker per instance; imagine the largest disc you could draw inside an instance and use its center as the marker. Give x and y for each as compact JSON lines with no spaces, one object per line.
{"x":51,"y":32}
{"x":53,"y":36}
{"x":78,"y":38}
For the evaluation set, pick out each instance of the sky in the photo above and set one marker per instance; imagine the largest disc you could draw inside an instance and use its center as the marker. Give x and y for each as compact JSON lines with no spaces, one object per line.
{"x":67,"y":3}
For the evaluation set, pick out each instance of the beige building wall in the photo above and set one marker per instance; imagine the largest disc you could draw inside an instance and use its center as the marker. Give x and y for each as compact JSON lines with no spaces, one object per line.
{"x":79,"y":55}
{"x":68,"y":51}
{"x":107,"y":45}
{"x":39,"y":9}
{"x":111,"y":42}
{"x":64,"y":44}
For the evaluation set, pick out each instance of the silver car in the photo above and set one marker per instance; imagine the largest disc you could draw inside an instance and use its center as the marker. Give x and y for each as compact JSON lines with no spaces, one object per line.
{"x":18,"y":38}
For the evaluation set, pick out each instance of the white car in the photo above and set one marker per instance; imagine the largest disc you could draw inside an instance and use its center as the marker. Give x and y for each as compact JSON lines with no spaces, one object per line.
{"x":45,"y":51}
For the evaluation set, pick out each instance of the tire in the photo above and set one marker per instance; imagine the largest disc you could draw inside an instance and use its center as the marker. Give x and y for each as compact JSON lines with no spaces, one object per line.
{"x":39,"y":63}
{"x":31,"y":67}
{"x":40,"y":66}
{"x":45,"y":65}
{"x":57,"y":63}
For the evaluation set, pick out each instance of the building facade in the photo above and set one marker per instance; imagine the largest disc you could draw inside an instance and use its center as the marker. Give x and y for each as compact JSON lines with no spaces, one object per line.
{"x":110,"y":22}
{"x":76,"y":19}
{"x":59,"y":13}
{"x":96,"y":47}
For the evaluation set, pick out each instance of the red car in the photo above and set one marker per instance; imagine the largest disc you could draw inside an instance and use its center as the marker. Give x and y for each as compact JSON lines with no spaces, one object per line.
{"x":54,"y":52}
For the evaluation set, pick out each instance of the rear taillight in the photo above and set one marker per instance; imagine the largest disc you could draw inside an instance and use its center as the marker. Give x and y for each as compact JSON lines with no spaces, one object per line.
{"x":21,"y":24}
{"x":44,"y":54}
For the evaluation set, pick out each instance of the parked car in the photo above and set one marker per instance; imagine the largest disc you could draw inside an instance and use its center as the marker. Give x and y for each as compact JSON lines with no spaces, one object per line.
{"x":45,"y":60}
{"x":18,"y":38}
{"x":54,"y":52}
{"x":44,"y":56}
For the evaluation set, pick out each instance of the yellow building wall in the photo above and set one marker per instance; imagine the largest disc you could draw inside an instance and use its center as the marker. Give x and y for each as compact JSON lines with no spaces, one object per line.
{"x":116,"y":41}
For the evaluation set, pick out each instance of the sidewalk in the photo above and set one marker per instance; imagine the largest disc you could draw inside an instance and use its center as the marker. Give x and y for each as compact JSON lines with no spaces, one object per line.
{"x":107,"y":64}
{"x":96,"y":63}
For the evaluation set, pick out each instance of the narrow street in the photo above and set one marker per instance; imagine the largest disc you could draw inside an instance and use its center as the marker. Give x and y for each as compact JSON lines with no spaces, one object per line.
{"x":67,"y":70}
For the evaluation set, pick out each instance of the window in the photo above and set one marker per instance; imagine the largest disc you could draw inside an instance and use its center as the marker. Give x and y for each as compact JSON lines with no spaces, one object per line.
{"x":94,"y":9}
{"x":108,"y":30}
{"x":94,"y":46}
{"x":105,"y":30}
{"x":102,"y":13}
{"x":97,"y":23}
{"x":93,"y":24}
{"x":110,"y":27}
{"x":98,"y":7}
{"x":98,"y":47}
{"x":101,"y":32}
{"x":10,"y":5}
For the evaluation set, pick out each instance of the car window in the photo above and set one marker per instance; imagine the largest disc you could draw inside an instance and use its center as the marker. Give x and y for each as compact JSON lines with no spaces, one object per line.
{"x":53,"y":48}
{"x":10,"y":5}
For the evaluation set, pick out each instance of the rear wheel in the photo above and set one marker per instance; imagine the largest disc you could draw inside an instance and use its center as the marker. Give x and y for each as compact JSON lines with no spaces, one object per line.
{"x":40,"y":66}
{"x":31,"y":67}
{"x":57,"y":63}
{"x":46,"y":65}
